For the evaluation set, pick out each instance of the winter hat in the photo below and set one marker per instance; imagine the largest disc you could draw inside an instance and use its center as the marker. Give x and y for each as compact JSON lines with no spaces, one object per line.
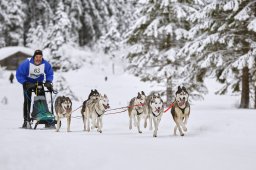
{"x":38,"y":52}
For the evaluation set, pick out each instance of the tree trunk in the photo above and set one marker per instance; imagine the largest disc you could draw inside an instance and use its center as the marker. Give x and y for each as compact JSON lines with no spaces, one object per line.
{"x":245,"y":99}
{"x":255,"y":96}
{"x":254,"y":78}
{"x":169,"y":95}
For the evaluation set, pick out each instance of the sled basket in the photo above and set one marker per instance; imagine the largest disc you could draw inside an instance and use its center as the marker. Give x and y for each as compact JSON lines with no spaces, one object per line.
{"x":40,"y":111}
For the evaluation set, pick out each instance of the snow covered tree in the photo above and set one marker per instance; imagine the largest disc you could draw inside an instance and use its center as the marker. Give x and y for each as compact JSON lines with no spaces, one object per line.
{"x":94,"y":15}
{"x":2,"y":41}
{"x":122,"y":15}
{"x":36,"y":36}
{"x":156,"y":38}
{"x":223,"y":43}
{"x":12,"y":20}
{"x":39,"y":15}
{"x":74,"y":10}
{"x":59,"y":34}
{"x":61,"y":85}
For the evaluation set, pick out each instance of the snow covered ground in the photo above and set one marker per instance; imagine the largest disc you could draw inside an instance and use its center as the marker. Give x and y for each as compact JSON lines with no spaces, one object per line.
{"x":219,"y":137}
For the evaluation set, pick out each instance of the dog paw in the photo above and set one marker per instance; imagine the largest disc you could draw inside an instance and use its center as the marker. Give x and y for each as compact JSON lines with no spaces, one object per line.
{"x":182,"y":134}
{"x":140,"y":131}
{"x":154,"y":135}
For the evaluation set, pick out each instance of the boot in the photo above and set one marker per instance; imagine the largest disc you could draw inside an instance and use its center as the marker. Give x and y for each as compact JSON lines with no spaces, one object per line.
{"x":26,"y":125}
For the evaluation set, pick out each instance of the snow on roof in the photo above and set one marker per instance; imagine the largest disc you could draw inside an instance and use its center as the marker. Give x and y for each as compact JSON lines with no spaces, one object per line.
{"x":7,"y":51}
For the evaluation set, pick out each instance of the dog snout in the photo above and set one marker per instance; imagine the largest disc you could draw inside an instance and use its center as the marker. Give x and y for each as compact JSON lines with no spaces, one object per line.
{"x":108,"y":106}
{"x":184,"y":98}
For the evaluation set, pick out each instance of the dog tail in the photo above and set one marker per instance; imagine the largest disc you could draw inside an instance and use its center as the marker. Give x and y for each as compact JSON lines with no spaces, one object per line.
{"x":83,"y":109}
{"x":130,"y":108}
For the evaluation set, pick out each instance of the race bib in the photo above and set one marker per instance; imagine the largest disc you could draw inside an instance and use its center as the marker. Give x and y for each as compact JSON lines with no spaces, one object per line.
{"x":35,"y":71}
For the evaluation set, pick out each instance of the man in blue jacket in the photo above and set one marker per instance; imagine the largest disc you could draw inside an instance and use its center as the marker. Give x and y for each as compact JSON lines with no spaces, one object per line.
{"x":30,"y":72}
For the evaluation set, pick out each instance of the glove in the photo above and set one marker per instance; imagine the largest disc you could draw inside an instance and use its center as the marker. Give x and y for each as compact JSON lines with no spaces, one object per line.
{"x":28,"y":85}
{"x":48,"y":85}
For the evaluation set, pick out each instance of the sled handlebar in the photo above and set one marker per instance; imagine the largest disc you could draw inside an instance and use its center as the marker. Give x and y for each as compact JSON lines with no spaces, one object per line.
{"x":41,"y":87}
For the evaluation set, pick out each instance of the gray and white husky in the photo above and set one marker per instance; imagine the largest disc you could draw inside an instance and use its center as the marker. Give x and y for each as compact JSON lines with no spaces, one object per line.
{"x":92,"y":98}
{"x":95,"y":111}
{"x":155,"y":110}
{"x":136,"y":110}
{"x":63,"y":109}
{"x":181,"y":110}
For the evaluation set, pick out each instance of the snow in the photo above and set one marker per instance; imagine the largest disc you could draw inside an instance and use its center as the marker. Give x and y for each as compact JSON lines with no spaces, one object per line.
{"x":252,"y":25}
{"x":7,"y":51}
{"x":219,"y":137}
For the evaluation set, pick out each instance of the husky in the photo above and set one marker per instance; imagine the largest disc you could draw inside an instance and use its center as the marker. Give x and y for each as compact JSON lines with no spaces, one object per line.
{"x":92,"y":98}
{"x":63,"y":108}
{"x":147,"y":107}
{"x":136,"y":110}
{"x":155,"y":110}
{"x":95,"y":111}
{"x":181,"y":110}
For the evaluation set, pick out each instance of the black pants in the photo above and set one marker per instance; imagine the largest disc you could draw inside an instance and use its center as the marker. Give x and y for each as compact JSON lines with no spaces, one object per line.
{"x":27,"y":101}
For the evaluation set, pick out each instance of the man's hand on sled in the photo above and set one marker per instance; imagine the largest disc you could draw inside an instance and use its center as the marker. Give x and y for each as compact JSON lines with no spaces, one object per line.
{"x":49,"y":86}
{"x":29,"y":85}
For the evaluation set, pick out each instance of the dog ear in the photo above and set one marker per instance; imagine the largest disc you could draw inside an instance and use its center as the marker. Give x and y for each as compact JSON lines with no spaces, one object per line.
{"x":139,"y":95}
{"x":105,"y":96}
{"x":91,"y":90}
{"x":184,"y":89}
{"x":70,"y":101}
{"x":142,"y":92}
{"x":62,"y":99}
{"x":179,"y":88}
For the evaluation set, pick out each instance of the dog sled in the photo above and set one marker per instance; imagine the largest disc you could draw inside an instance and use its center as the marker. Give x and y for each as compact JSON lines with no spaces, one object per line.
{"x":40,"y":111}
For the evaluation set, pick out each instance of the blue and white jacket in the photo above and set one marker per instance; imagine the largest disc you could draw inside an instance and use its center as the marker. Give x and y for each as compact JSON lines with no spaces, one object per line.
{"x":29,"y":72}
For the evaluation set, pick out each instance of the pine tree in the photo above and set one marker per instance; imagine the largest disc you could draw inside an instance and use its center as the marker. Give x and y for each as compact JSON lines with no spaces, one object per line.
{"x":223,"y":43}
{"x":121,"y":16}
{"x":12,"y":20}
{"x":156,"y":38}
{"x":36,"y":36}
{"x":39,"y":15}
{"x":59,"y":34}
{"x":74,"y":10}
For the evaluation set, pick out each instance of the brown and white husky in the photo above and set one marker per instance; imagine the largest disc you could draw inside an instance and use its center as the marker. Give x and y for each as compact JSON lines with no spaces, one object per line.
{"x":181,"y":110}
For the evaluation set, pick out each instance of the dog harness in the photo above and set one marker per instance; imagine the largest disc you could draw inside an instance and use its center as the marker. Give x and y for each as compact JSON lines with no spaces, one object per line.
{"x":155,"y":115}
{"x":183,"y":110}
{"x":98,"y":113}
{"x":138,"y":113}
